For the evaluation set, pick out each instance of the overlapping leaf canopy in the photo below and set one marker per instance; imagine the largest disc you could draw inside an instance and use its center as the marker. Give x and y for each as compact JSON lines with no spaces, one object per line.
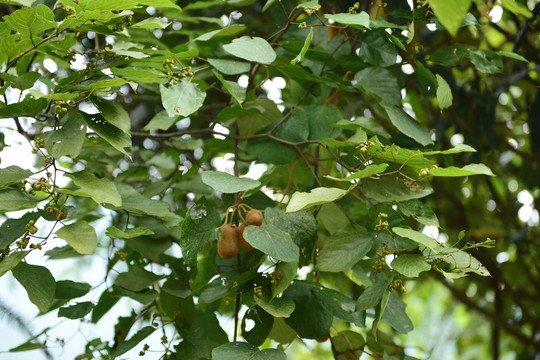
{"x":160,"y":121}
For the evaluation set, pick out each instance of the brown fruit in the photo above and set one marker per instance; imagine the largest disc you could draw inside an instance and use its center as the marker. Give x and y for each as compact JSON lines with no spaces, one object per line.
{"x":323,"y":339}
{"x":254,"y":217}
{"x":243,"y":243}
{"x":228,"y":246}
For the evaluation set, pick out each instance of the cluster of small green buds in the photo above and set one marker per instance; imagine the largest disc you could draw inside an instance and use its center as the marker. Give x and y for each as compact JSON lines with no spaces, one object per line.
{"x":154,"y":317}
{"x":23,"y":243}
{"x":61,"y":107}
{"x":70,"y":56}
{"x":379,"y":264}
{"x":302,"y":25}
{"x":363,"y":148}
{"x":68,"y":10}
{"x":168,"y":63}
{"x":424,"y":172}
{"x":274,"y":276}
{"x":354,"y":9}
{"x":383,"y":224}
{"x":4,"y":252}
{"x":43,"y":184}
{"x":31,"y":228}
{"x":312,"y":10}
{"x":146,"y":347}
{"x":126,"y":21}
{"x":38,"y":144}
{"x":397,"y":285}
{"x":258,"y":290}
{"x":121,"y":255}
{"x":35,"y":246}
{"x":164,"y":339}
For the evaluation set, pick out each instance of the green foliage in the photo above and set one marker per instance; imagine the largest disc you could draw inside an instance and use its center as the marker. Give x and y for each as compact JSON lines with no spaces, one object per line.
{"x":150,"y":128}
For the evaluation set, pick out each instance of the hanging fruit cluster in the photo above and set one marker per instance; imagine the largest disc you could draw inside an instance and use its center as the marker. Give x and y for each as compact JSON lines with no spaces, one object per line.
{"x":232,"y":236}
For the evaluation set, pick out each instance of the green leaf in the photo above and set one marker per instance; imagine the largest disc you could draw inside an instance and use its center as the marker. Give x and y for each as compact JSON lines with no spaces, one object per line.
{"x":69,"y":139}
{"x":12,"y":260}
{"x":31,"y":22}
{"x":287,"y":270}
{"x":77,"y":311}
{"x":407,"y":125}
{"x":245,"y":351}
{"x":114,"y":113}
{"x":317,"y":196}
{"x":349,"y":245}
{"x":467,"y":170}
{"x":183,"y":99}
{"x":257,"y":115}
{"x":11,"y":200}
{"x":461,"y":261}
{"x":369,"y":171}
{"x":201,"y":339}
{"x":67,"y":289}
{"x":136,"y":279}
{"x":80,"y":236}
{"x":229,"y":67}
{"x":305,"y":48}
{"x":312,"y":316}
{"x":27,"y":346}
{"x":416,"y":236}
{"x":252,"y":49}
{"x":517,"y":8}
{"x":372,"y":295}
{"x":395,"y":315}
{"x":450,"y":13}
{"x":12,"y":229}
{"x":379,"y":82}
{"x":512,"y":55}
{"x":115,"y":233}
{"x":198,"y":230}
{"x":38,"y":283}
{"x":161,"y":121}
{"x":159,"y":4}
{"x":427,"y":82}
{"x":226,"y":31}
{"x":377,"y":50}
{"x":459,"y":148}
{"x":360,"y":19}
{"x":101,"y":190}
{"x":27,"y":107}
{"x":348,"y":342}
{"x":151,"y":23}
{"x":118,"y":139}
{"x":262,"y":325}
{"x":281,"y":332}
{"x":133,"y":201}
{"x":487,"y":61}
{"x":273,"y":241}
{"x":22,"y":82}
{"x":444,"y":93}
{"x":391,"y":189}
{"x":12,"y":175}
{"x":236,"y":91}
{"x":226,"y":183}
{"x":127,"y":345}
{"x":410,"y":264}
{"x":278,"y":307}
{"x":320,"y":120}
{"x":419,"y":211}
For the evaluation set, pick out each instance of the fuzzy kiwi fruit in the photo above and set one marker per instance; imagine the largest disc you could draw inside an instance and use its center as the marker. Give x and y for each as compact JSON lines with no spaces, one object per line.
{"x":254,"y":217}
{"x":243,"y":243}
{"x":228,"y":245}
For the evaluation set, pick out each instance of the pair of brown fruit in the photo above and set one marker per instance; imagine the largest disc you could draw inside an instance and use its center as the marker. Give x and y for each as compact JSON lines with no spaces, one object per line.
{"x":232,"y":237}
